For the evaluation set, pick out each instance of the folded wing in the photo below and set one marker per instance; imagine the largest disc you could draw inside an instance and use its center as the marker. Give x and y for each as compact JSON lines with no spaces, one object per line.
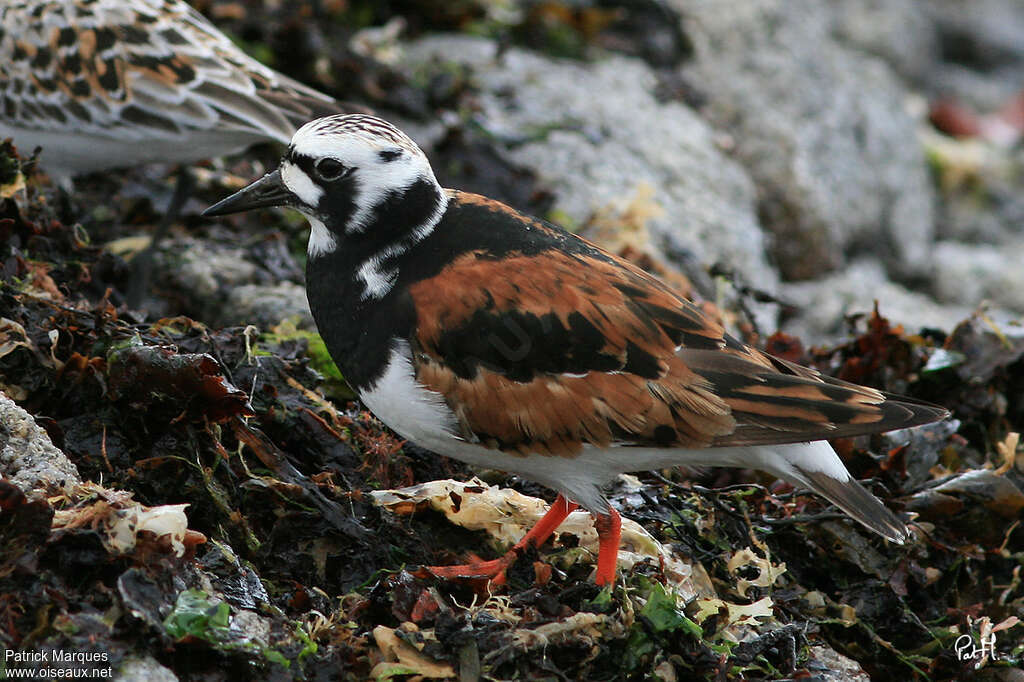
{"x":547,"y":352}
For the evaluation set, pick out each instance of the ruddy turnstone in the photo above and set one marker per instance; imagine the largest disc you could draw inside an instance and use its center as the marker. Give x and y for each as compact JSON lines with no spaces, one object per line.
{"x":108,"y":83}
{"x":503,"y":341}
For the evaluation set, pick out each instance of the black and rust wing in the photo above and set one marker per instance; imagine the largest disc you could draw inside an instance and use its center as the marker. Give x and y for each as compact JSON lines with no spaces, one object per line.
{"x":549,"y":350}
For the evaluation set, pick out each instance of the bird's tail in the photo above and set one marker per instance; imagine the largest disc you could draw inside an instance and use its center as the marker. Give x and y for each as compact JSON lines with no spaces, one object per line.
{"x":855,"y":500}
{"x":816,"y":465}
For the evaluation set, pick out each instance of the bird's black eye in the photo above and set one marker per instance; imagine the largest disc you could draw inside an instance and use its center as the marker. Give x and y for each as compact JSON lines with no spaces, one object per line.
{"x":329,"y":169}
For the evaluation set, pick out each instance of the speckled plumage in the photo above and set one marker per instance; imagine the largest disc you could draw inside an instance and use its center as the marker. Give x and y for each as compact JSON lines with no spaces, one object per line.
{"x":108,"y":83}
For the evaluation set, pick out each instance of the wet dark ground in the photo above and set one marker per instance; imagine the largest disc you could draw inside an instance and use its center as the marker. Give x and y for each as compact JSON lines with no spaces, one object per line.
{"x":291,"y":572}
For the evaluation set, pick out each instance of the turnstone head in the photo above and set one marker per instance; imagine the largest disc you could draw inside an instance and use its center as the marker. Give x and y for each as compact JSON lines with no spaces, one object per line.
{"x":107,"y":83}
{"x":503,"y":341}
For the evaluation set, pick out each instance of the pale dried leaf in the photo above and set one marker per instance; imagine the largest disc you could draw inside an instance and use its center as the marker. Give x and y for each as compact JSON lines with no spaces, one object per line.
{"x":10,"y":189}
{"x":767,"y":571}
{"x":409,"y":660}
{"x":736,"y":614}
{"x":1008,"y":451}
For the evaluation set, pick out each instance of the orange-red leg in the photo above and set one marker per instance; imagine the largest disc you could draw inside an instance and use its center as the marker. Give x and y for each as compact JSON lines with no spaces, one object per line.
{"x":495,"y":568}
{"x":609,"y":531}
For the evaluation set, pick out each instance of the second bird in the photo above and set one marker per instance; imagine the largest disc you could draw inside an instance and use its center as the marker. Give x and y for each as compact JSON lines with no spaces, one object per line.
{"x":109,"y":83}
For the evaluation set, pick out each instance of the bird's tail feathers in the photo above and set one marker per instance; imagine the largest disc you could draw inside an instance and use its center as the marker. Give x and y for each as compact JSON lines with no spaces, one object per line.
{"x":855,"y":500}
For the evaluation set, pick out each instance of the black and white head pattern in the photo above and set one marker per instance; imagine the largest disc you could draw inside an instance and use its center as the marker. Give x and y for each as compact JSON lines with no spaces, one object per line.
{"x":354,"y":174}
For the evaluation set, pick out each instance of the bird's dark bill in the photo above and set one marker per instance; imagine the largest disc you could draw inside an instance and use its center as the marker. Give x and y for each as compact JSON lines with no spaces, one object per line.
{"x":267,"y":191}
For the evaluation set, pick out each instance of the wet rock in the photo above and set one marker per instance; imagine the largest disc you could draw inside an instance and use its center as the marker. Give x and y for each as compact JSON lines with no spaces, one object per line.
{"x":595,"y":133}
{"x":925,"y":444}
{"x":983,"y":486}
{"x":822,"y":128}
{"x":142,"y":597}
{"x":979,"y":505}
{"x":27,"y":456}
{"x":237,"y":582}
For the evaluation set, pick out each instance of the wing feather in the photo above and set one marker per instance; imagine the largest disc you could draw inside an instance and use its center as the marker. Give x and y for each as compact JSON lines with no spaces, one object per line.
{"x":120,"y":69}
{"x":566,"y":346}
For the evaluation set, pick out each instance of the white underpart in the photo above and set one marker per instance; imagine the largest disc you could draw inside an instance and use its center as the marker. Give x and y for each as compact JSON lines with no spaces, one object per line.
{"x":581,"y":478}
{"x":321,"y":240}
{"x":401,"y":402}
{"x":785,"y":461}
{"x":422,"y":416}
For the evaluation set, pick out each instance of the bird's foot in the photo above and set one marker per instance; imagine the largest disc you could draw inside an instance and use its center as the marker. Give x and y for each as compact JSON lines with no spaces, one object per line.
{"x":609,"y":529}
{"x":478,"y":569}
{"x":494,"y":570}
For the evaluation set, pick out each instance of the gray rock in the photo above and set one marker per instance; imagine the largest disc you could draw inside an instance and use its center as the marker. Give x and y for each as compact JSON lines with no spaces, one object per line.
{"x":983,"y":199}
{"x":967,"y":274}
{"x":963,"y":219}
{"x":925,"y":447}
{"x":825,"y":303}
{"x":204,"y":269}
{"x":985,"y":33}
{"x":982,"y":42}
{"x":595,"y":134}
{"x":27,"y":455}
{"x":899,"y":31}
{"x":224,"y":284}
{"x":986,"y":344}
{"x":821,"y":127}
{"x":986,"y":487}
{"x":266,"y":305}
{"x":828,"y":665}
{"x":143,"y":669}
